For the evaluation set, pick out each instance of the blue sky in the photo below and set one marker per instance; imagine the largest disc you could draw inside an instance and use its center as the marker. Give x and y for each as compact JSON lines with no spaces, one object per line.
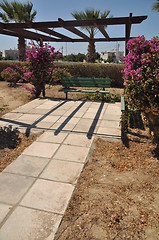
{"x":51,"y":10}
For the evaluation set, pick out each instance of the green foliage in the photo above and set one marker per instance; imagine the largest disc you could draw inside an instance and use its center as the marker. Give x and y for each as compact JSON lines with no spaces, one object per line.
{"x":17,"y":11}
{"x":75,"y":57}
{"x":155,"y":6}
{"x":112,"y":98}
{"x":58,"y":74}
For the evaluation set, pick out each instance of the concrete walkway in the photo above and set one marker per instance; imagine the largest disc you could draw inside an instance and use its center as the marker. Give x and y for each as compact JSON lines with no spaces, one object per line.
{"x":36,"y":188}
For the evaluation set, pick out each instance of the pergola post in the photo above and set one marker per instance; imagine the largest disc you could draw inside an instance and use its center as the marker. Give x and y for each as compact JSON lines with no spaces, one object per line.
{"x":127,"y":32}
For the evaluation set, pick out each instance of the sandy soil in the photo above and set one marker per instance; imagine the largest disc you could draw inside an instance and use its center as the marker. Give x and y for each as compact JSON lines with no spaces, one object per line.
{"x":117,"y":194}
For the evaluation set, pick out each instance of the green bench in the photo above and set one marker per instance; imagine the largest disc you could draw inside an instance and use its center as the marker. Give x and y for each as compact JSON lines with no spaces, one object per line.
{"x":71,"y":85}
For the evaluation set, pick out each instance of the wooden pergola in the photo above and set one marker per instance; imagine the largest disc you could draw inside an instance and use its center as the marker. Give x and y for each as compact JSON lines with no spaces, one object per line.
{"x":49,"y":34}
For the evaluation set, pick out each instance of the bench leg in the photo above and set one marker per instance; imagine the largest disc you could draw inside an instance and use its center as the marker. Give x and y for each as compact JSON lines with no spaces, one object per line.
{"x":66,"y":95}
{"x":103,"y":97}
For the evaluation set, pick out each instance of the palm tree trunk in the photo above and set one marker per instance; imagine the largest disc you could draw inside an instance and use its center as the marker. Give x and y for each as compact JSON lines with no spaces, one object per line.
{"x":22,"y":49}
{"x":91,"y":52}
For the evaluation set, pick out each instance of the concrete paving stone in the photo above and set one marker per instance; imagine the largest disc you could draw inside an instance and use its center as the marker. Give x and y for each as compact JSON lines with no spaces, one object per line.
{"x":79,"y":114}
{"x":90,"y":115}
{"x":78,"y":140}
{"x":38,"y":111}
{"x":51,"y":119}
{"x":92,"y":110}
{"x":49,"y":196}
{"x":84,"y":125}
{"x":72,"y":153}
{"x":107,"y":124}
{"x":29,"y":118}
{"x":112,"y":117}
{"x":30,"y":224}
{"x":62,"y":171}
{"x":58,"y":112}
{"x":13,"y":187}
{"x":12,"y":116}
{"x":23,"y":109}
{"x":41,"y":149}
{"x":50,"y":136}
{"x":48,"y":105}
{"x":44,"y":125}
{"x":109,"y":131}
{"x":4,"y":210}
{"x":27,"y":165}
{"x":3,"y":123}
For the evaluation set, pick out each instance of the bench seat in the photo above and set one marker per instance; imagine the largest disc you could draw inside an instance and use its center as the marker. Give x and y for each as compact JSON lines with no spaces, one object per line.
{"x":71,"y":85}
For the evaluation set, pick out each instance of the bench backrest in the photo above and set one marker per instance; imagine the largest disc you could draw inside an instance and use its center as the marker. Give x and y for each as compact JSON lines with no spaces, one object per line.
{"x":86,"y":82}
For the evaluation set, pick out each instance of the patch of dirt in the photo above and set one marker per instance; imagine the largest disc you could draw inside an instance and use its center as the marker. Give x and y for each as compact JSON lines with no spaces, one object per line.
{"x":117,"y":195}
{"x":11,"y":98}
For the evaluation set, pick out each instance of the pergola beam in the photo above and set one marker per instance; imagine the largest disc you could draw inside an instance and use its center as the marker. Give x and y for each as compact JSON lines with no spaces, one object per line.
{"x":77,"y":23}
{"x":29,"y":34}
{"x":73,"y":30}
{"x":54,"y":33}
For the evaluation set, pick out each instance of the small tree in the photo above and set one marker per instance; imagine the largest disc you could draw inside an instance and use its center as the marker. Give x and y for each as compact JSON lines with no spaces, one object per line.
{"x":40,"y":64}
{"x":141,"y":79}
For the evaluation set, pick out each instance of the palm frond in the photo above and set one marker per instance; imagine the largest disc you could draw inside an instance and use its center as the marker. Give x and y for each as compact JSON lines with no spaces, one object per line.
{"x":155,"y":6}
{"x":90,"y":13}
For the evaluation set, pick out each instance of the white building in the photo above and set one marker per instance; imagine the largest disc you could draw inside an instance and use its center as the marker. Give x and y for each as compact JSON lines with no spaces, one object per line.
{"x":116,"y":55}
{"x":11,"y":53}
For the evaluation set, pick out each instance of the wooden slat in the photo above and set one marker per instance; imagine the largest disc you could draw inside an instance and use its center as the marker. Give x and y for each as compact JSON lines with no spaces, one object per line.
{"x":73,"y":30}
{"x":30,"y":34}
{"x":86,"y":82}
{"x":77,"y":23}
{"x":54,"y":33}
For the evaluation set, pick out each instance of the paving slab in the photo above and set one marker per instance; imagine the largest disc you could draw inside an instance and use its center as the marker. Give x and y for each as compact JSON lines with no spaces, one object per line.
{"x":27,"y":165}
{"x":41,"y":149}
{"x":30,"y":224}
{"x":72,"y":153}
{"x":109,"y":131}
{"x":44,"y":125}
{"x":12,"y":116}
{"x":50,"y":136}
{"x":29,"y":118}
{"x":62,"y":171}
{"x":84,"y":125}
{"x":109,"y":124}
{"x":13,"y":187}
{"x":49,"y":196}
{"x":78,"y":140}
{"x":51,"y":119}
{"x":111,"y":117}
{"x":4,"y":210}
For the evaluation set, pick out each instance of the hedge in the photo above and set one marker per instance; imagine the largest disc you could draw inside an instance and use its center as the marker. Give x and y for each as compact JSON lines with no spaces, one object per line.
{"x":96,"y":70}
{"x":86,"y":70}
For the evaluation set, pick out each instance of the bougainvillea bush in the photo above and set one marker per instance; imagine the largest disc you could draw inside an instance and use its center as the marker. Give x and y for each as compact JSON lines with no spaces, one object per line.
{"x":40,"y":65}
{"x":12,"y":74}
{"x":141,"y":75}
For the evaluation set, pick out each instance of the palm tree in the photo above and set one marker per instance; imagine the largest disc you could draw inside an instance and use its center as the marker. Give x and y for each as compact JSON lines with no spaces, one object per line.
{"x":90,"y":14}
{"x":155,"y":6}
{"x":18,"y":12}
